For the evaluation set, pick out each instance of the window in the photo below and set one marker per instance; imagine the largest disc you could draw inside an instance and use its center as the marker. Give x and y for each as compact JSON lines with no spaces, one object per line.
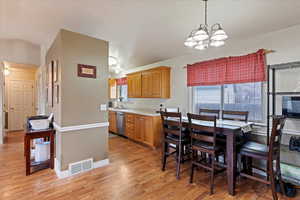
{"x":238,"y":97}
{"x":122,"y":89}
{"x":207,"y":97}
{"x":244,"y":97}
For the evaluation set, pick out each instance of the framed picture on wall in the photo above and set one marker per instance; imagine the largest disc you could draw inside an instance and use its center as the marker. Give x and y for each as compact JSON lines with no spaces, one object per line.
{"x":47,"y":100}
{"x":47,"y":75}
{"x":50,"y":84}
{"x":55,"y":71}
{"x":57,"y":94}
{"x":87,"y":71}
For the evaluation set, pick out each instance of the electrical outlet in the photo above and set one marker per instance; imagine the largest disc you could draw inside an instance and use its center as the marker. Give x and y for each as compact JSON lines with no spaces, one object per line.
{"x":103,"y":107}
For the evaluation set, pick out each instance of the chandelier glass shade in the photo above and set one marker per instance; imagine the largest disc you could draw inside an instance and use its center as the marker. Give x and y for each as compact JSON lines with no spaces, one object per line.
{"x":202,"y":37}
{"x":6,"y":72}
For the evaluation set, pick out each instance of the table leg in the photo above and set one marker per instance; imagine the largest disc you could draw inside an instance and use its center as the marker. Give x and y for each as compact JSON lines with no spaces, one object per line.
{"x":231,"y":162}
{"x":27,"y":154}
{"x":25,"y":144}
{"x":52,"y":151}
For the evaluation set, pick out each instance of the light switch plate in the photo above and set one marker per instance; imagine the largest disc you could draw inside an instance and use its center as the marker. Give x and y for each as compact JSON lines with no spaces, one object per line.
{"x":103,"y":107}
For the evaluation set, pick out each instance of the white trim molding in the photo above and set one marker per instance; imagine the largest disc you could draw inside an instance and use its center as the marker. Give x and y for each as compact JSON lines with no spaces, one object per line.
{"x":64,"y":174}
{"x":79,"y":127}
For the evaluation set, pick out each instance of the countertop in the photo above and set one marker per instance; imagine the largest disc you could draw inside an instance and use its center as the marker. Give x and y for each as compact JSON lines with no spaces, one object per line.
{"x":146,"y":112}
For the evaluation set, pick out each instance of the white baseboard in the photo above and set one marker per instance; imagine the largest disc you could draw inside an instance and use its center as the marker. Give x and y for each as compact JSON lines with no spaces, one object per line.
{"x":100,"y":163}
{"x":59,"y":173}
{"x":64,"y":174}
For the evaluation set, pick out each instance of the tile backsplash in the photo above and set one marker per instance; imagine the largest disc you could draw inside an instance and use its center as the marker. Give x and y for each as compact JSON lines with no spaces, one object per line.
{"x":143,"y":103}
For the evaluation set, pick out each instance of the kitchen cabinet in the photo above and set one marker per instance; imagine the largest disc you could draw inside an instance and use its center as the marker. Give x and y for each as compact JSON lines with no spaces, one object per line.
{"x":134,"y":82}
{"x":144,"y":129}
{"x":153,"y":83}
{"x":112,"y":88}
{"x":112,"y":118}
{"x":130,"y":126}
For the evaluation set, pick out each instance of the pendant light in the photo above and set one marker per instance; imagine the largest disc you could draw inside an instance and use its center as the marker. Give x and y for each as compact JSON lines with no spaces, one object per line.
{"x":202,"y":38}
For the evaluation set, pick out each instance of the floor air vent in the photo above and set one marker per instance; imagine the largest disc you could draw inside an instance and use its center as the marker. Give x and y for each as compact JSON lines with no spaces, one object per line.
{"x":81,"y":166}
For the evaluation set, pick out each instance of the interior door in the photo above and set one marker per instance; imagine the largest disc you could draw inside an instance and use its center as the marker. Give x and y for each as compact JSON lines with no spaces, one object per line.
{"x":21,"y":103}
{"x":28,"y":96}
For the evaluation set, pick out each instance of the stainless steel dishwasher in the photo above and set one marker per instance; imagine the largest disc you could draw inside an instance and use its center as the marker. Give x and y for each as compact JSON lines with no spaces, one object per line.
{"x":121,"y":123}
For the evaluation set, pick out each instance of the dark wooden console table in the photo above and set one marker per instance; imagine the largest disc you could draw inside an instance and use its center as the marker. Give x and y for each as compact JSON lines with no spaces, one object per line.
{"x":34,"y":134}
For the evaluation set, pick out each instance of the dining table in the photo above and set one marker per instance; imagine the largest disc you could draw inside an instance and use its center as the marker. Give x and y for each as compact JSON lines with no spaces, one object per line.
{"x":231,"y":129}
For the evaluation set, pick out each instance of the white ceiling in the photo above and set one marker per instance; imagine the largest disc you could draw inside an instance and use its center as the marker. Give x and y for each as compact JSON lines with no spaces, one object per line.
{"x":142,"y":31}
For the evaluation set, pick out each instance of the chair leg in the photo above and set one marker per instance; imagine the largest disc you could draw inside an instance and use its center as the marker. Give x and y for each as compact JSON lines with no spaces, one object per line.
{"x":248,"y":165}
{"x":165,"y":150}
{"x":268,"y":169}
{"x":192,"y":173}
{"x":182,"y":153}
{"x":239,"y":163}
{"x":178,"y":160}
{"x":272,"y":177}
{"x":278,"y":171}
{"x":212,"y":175}
{"x":192,"y":167}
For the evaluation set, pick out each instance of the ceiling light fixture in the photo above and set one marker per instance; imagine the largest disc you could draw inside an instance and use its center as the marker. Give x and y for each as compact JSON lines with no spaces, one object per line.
{"x":6,"y":71}
{"x":112,"y":61}
{"x":114,"y":64}
{"x":202,"y":38}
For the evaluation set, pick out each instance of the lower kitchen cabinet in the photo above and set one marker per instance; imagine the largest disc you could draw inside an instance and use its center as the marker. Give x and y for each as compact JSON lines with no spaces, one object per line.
{"x":112,"y":118}
{"x":144,"y":129}
{"x":129,"y":125}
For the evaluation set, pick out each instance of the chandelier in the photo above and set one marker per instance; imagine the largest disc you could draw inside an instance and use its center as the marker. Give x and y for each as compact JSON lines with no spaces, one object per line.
{"x":202,"y":38}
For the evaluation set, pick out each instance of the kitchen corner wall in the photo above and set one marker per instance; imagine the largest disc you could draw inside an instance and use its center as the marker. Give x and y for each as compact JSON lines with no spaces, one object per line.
{"x":80,"y":99}
{"x":286,"y":44}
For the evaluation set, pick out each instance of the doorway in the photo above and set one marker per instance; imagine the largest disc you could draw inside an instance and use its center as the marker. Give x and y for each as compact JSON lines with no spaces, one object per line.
{"x":20,"y":94}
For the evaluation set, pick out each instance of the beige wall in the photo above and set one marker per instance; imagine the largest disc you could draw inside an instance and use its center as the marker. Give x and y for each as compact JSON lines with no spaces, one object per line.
{"x":19,"y":51}
{"x":54,"y":53}
{"x":80,"y":98}
{"x":84,"y":144}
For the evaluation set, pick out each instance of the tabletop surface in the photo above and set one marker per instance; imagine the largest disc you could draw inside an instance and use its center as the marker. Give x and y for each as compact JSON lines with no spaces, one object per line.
{"x":225,"y":124}
{"x":31,"y":131}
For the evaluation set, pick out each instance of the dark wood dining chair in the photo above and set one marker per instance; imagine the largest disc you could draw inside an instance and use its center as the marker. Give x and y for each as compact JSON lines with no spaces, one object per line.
{"x":253,"y":150}
{"x":203,"y":140}
{"x":210,"y":112}
{"x":173,"y":135}
{"x":235,"y":115}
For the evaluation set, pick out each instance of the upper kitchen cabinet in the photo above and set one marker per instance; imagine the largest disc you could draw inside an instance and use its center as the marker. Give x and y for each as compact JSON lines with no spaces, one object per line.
{"x":112,"y":83}
{"x":153,"y":83}
{"x":134,"y":82}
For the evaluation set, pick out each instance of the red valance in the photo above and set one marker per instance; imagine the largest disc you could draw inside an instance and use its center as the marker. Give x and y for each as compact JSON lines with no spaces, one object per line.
{"x":122,"y":81}
{"x":230,"y":70}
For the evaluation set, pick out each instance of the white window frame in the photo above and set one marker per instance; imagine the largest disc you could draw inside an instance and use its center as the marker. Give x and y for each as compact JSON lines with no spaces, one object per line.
{"x":263,"y":101}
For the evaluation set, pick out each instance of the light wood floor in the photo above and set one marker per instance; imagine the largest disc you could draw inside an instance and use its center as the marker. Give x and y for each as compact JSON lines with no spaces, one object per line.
{"x":134,"y":173}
